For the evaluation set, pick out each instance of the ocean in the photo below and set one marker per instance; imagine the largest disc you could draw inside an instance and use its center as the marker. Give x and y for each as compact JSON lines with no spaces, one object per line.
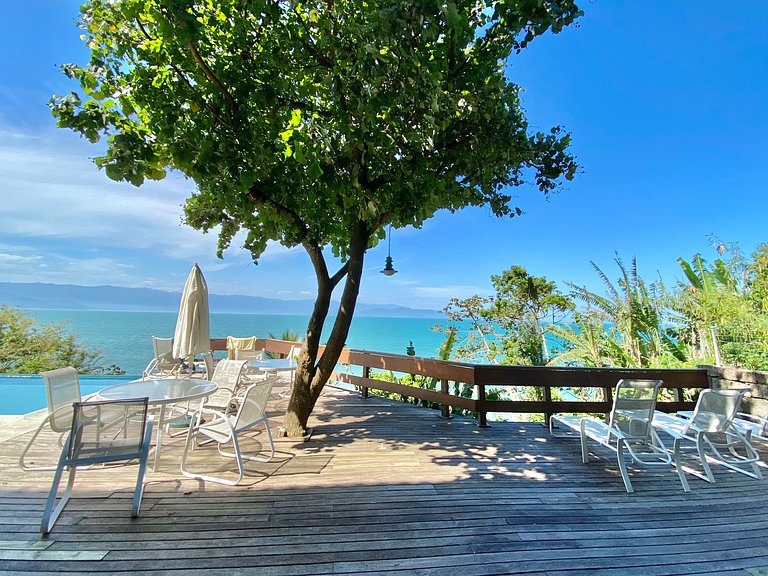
{"x":125,"y":338}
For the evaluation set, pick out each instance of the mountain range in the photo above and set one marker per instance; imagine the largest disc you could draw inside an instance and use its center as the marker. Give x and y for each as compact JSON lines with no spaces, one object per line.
{"x":74,"y":297}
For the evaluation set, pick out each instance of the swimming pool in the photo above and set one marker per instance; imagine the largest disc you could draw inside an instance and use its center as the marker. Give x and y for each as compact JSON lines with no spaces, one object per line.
{"x":22,"y":393}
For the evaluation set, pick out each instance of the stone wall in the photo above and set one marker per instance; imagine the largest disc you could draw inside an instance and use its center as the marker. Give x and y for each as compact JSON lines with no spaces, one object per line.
{"x":757,"y":382}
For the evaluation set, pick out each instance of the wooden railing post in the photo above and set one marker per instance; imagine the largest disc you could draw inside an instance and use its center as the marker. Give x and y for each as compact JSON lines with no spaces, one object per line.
{"x":366,"y":374}
{"x":548,"y":400}
{"x":445,"y":410}
{"x":481,"y":415}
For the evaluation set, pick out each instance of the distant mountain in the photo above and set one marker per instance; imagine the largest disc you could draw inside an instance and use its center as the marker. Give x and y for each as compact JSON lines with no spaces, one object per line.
{"x":73,"y":297}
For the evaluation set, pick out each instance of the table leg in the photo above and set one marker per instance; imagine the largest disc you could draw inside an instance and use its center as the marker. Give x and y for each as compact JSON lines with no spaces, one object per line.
{"x":160,"y":429}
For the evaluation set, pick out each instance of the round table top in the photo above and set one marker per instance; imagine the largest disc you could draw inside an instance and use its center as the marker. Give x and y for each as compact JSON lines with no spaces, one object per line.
{"x":160,"y":390}
{"x":273,"y":364}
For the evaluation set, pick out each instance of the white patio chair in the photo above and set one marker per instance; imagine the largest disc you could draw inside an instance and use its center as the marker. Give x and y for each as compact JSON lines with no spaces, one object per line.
{"x":94,"y":439}
{"x":712,"y":430}
{"x":234,"y":343}
{"x":752,"y":426}
{"x":163,"y":364}
{"x":228,"y":375}
{"x":62,"y":387}
{"x":628,"y":432}
{"x":223,"y":428}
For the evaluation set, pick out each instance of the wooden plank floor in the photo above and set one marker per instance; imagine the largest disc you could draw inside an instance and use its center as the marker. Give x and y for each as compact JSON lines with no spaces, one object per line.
{"x":388,"y":488}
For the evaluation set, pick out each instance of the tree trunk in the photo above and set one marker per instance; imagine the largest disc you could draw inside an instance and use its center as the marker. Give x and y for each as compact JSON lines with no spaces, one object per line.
{"x":312,"y":372}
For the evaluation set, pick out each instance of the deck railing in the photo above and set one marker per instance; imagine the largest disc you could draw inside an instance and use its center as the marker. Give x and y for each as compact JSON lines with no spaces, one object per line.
{"x":483,"y":376}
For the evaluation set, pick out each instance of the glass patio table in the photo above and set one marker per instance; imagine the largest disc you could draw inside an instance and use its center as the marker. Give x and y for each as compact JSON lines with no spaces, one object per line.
{"x":161,"y":392}
{"x":273,"y":364}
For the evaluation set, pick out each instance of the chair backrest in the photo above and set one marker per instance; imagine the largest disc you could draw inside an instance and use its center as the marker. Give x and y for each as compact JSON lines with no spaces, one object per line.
{"x":634,"y":402}
{"x":227,"y":375}
{"x":254,"y":403}
{"x":293,"y":353}
{"x":249,"y":354}
{"x":239,"y":344}
{"x":107,"y":431}
{"x":163,"y":348}
{"x":62,"y":387}
{"x":716,"y":409}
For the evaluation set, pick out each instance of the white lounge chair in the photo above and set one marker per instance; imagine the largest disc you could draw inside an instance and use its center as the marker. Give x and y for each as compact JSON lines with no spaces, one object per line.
{"x":711,"y":429}
{"x":223,"y":428}
{"x":628,"y":432}
{"x":163,"y":364}
{"x":96,"y":438}
{"x":62,"y":387}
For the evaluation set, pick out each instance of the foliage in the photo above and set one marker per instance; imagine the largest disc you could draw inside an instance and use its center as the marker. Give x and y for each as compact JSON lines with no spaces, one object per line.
{"x":28,"y":348}
{"x":521,"y":305}
{"x":724,"y":301}
{"x":508,"y":327}
{"x":633,"y":319}
{"x":317,"y":124}
{"x":467,"y":317}
{"x":288,"y":334}
{"x":757,"y":278}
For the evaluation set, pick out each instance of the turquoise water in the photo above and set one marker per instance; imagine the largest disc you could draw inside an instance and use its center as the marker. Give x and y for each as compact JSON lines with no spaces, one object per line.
{"x":24,"y":394}
{"x":125,"y":338}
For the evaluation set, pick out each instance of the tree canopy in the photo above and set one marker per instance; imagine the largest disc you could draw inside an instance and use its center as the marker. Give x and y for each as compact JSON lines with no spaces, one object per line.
{"x":317,"y":124}
{"x":27,"y":347}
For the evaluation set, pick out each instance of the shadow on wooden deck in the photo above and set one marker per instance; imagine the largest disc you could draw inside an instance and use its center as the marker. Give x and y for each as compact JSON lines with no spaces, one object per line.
{"x":389,"y":488}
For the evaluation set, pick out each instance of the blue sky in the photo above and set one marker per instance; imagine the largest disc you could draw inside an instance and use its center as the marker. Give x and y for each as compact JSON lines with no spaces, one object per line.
{"x":666,"y":103}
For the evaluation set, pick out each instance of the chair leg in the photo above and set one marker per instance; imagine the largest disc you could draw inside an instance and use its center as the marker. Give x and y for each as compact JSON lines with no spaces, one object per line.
{"x":584,"y":450}
{"x":700,"y":440}
{"x":139,"y":490}
{"x":52,"y":508}
{"x":623,"y":466}
{"x":679,"y":466}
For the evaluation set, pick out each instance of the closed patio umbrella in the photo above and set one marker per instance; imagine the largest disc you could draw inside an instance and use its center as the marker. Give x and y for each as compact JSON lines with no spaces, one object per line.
{"x":193,"y":331}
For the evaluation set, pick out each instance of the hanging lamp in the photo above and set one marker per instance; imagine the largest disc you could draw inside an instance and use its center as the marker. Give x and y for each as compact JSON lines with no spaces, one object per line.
{"x":389,"y":270}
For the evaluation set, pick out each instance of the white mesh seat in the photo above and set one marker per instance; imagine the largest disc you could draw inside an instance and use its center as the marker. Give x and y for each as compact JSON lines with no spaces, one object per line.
{"x":711,"y":429}
{"x":101,"y":432}
{"x":62,"y":387}
{"x":222,"y":428}
{"x":628,"y":431}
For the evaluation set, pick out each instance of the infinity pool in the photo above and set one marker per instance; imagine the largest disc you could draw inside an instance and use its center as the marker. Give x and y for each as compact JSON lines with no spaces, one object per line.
{"x":21,"y":393}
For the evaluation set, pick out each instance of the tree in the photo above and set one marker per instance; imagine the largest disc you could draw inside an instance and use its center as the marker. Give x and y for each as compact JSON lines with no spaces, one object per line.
{"x":317,"y":124}
{"x":522,"y":303}
{"x":28,"y":348}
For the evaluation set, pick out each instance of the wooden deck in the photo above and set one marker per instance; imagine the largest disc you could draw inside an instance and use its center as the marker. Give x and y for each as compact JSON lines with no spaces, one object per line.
{"x":389,"y":488}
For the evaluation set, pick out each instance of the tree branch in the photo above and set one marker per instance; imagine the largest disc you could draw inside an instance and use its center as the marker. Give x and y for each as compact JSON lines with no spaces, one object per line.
{"x":210,"y":75}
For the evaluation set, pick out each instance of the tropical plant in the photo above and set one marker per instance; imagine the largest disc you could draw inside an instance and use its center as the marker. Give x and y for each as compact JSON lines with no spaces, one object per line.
{"x":317,"y":125}
{"x":586,"y":342}
{"x":633,"y":315}
{"x":26,"y":347}
{"x":288,"y":334}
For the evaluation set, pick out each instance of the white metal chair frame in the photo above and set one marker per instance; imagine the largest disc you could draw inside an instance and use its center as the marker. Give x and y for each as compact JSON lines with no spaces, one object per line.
{"x":223,"y":428}
{"x":628,"y":431}
{"x":62,"y":388}
{"x":89,"y":442}
{"x":711,"y":427}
